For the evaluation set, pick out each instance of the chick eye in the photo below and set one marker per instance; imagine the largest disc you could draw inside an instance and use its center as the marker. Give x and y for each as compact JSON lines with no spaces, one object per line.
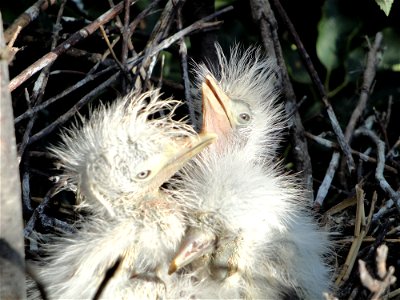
{"x":143,"y":174}
{"x":244,"y":117}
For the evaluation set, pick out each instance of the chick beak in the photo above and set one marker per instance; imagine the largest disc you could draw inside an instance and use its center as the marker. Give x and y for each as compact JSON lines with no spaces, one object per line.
{"x":217,"y":116}
{"x":196,"y":243}
{"x":182,"y":151}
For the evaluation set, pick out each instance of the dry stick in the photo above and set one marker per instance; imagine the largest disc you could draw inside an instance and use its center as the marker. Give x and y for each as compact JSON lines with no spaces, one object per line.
{"x":125,"y":33}
{"x":367,"y":239}
{"x":328,"y":144}
{"x":39,"y":214}
{"x":359,"y":235}
{"x":159,"y":32}
{"x":12,"y":51}
{"x":185,"y":73}
{"x":59,"y":96}
{"x":344,"y":146}
{"x":142,"y":15}
{"x":83,"y":101}
{"x":264,"y":17}
{"x":380,"y":147}
{"x":326,"y":182}
{"x":368,"y":77}
{"x":387,"y":277}
{"x":164,"y":44}
{"x":37,"y":96}
{"x":125,"y":46}
{"x":110,"y":48}
{"x":389,"y":111}
{"x":60,"y":49}
{"x":28,"y":16}
{"x":196,"y":26}
{"x":92,"y":57}
{"x":41,"y":82}
{"x":11,"y":220}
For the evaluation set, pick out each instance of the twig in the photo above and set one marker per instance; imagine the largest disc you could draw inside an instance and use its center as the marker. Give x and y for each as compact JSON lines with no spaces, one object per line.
{"x":59,"y":96}
{"x":376,"y":286}
{"x":39,"y":214}
{"x":11,"y":220}
{"x":368,"y":77}
{"x":388,"y":205}
{"x":263,"y":15}
{"x":83,"y":101}
{"x":359,"y":234}
{"x":142,"y":15}
{"x":160,"y":31}
{"x":326,"y":183}
{"x":332,"y":145}
{"x":380,"y":145}
{"x":344,"y":146}
{"x":60,"y":49}
{"x":164,"y":44}
{"x":41,"y":82}
{"x":185,"y":73}
{"x":28,"y":16}
{"x":110,"y":48}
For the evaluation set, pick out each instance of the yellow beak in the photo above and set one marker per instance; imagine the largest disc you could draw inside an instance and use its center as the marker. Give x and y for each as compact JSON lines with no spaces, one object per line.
{"x":181,"y":152}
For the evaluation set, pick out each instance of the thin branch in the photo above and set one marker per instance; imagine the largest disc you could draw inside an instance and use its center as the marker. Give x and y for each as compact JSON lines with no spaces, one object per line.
{"x":326,"y":183}
{"x":185,"y":73}
{"x":380,"y":147}
{"x":332,"y":145}
{"x":60,"y":49}
{"x":376,"y":286}
{"x":12,"y":241}
{"x":61,"y":95}
{"x":368,"y":77}
{"x":28,"y":16}
{"x":41,"y":82}
{"x":83,"y":101}
{"x":344,"y":146}
{"x":263,"y":15}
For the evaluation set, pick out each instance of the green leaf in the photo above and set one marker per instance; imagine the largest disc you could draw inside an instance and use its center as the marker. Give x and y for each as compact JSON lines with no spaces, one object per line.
{"x":385,"y":5}
{"x":335,"y":31}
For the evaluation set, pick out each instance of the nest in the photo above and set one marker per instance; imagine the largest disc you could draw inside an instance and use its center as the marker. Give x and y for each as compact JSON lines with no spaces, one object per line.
{"x":64,"y":59}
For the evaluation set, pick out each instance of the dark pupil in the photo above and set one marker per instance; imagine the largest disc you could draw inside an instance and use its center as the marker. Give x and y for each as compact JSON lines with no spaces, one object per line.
{"x":143,"y":174}
{"x":245,"y":117}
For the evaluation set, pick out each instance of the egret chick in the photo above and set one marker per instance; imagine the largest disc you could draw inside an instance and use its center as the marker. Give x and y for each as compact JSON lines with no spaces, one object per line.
{"x":242,"y":89}
{"x":251,"y":220}
{"x":117,"y":161}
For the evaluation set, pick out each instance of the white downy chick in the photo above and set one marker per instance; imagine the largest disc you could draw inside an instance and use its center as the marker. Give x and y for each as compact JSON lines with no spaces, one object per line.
{"x":118,"y":160}
{"x":251,"y":230}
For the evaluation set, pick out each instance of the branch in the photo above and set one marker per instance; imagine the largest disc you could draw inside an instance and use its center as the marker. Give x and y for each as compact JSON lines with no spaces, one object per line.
{"x":344,"y":146}
{"x":11,"y":238}
{"x":380,"y":148}
{"x":369,"y":74}
{"x":28,"y":16}
{"x":64,"y":46}
{"x":376,"y":286}
{"x":264,"y":17}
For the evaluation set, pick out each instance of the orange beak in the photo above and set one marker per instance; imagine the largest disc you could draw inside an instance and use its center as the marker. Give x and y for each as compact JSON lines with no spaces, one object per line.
{"x":216,"y":108}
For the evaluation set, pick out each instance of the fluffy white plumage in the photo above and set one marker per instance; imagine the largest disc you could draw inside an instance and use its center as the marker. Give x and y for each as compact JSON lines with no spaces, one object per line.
{"x":266,"y":245}
{"x":248,"y":79}
{"x":118,"y":160}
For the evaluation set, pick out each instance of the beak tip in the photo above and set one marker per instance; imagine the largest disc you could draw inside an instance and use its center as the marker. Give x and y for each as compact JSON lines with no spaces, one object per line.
{"x":172,"y":268}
